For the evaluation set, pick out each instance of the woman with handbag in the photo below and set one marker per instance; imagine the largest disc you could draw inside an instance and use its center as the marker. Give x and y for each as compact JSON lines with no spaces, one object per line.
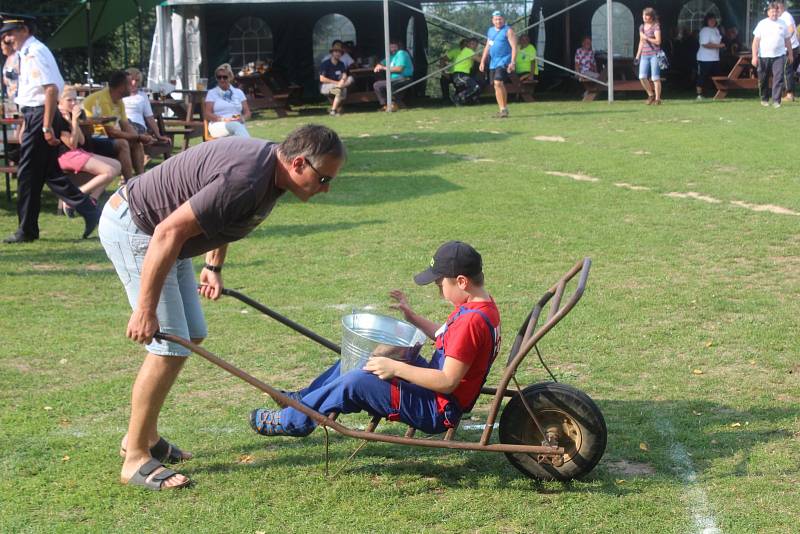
{"x":648,"y":55}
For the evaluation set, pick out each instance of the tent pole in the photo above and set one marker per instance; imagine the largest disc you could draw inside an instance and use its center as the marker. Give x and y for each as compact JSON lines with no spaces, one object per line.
{"x":89,"y":42}
{"x":610,"y":49}
{"x":747,"y":30}
{"x":141,"y":35}
{"x":125,"y":43}
{"x":388,"y":58}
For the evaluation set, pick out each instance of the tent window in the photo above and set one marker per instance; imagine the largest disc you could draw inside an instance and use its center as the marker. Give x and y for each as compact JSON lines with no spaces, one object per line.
{"x":328,"y":29}
{"x":410,"y":36}
{"x":690,"y":18}
{"x":250,"y":41}
{"x":624,"y":30}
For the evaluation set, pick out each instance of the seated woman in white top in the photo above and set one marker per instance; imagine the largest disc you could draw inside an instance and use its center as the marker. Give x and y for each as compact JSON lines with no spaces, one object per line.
{"x":226,"y":107}
{"x":138,"y":109}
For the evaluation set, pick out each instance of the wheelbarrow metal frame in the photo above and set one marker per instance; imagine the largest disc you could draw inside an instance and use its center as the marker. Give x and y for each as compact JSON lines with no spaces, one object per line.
{"x":525,"y":340}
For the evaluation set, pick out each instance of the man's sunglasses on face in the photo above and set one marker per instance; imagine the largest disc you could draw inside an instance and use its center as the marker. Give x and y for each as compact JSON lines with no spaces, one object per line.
{"x":323,"y":179}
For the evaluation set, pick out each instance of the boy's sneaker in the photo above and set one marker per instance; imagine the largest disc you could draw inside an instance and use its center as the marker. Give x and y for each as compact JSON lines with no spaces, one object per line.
{"x":699,"y":98}
{"x":765,"y":103}
{"x":776,"y":105}
{"x":267,"y":422}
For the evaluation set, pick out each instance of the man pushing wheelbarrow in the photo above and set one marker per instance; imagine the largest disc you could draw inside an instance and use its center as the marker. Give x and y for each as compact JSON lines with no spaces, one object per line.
{"x":194,"y":203}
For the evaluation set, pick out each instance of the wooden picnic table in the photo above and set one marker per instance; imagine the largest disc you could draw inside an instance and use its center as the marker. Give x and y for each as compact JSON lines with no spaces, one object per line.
{"x":361,"y":90}
{"x":742,"y":76}
{"x":626,"y":78}
{"x":260,"y":95}
{"x":188,"y":111}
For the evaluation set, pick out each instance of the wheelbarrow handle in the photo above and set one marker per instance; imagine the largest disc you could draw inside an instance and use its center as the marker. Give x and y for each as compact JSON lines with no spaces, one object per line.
{"x":284,"y":320}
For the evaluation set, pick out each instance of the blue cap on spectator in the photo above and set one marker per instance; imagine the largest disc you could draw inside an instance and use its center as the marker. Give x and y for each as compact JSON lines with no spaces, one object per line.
{"x":497,"y":14}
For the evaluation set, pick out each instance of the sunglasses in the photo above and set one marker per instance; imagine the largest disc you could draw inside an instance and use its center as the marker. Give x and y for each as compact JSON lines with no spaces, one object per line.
{"x":222,"y":77}
{"x":323,"y":179}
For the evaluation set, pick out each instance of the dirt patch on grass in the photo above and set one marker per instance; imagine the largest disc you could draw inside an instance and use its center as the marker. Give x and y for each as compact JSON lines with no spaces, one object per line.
{"x":632,"y":187}
{"x":771,"y":208}
{"x":630,"y":469}
{"x":576,"y":177}
{"x":641,"y":153}
{"x":46,"y":266}
{"x":694,"y":196}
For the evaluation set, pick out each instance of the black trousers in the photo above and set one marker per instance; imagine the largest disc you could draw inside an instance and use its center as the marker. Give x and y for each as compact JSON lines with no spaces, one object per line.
{"x":38,"y":164}
{"x":791,"y":71}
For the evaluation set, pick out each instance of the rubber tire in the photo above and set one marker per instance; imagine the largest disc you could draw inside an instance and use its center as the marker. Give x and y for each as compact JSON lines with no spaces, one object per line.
{"x":516,"y":427}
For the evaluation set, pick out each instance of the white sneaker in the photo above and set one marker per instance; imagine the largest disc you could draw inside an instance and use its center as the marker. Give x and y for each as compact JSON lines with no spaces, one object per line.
{"x":776,"y":105}
{"x":699,"y":97}
{"x":765,"y":104}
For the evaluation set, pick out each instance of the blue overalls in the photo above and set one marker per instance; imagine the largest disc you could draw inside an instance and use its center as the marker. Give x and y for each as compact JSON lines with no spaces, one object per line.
{"x":396,"y":400}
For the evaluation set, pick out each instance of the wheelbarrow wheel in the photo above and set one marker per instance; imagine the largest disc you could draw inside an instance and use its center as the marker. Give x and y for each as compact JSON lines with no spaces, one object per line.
{"x":566,"y":413}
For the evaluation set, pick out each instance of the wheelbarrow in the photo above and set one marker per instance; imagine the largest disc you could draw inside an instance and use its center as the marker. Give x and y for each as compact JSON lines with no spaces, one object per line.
{"x":548,"y":430}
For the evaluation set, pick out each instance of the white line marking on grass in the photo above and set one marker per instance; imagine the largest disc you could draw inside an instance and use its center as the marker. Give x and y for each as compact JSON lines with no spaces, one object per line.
{"x":772,"y":208}
{"x":704,"y":521}
{"x":550,"y":138}
{"x":695,"y":196}
{"x":576,"y":177}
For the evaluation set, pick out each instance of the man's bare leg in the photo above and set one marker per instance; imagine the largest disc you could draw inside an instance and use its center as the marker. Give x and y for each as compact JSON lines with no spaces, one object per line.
{"x":124,"y":158}
{"x":155,"y":379}
{"x":137,"y":156}
{"x":501,"y":94}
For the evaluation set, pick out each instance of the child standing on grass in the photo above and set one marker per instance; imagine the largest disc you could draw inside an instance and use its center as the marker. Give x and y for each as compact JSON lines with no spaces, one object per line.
{"x":430,"y":396}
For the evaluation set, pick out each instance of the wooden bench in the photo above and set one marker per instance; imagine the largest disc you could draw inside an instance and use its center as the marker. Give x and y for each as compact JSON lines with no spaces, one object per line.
{"x":592,"y":88}
{"x":261,"y":96}
{"x":522,"y":90}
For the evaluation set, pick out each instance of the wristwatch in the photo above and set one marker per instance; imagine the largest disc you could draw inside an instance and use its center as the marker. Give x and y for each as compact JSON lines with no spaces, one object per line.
{"x":46,"y":129}
{"x":213,"y":268}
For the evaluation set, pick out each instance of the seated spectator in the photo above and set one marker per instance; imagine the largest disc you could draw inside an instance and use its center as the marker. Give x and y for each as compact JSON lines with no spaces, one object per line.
{"x":118,"y":139}
{"x":72,"y":156}
{"x":226,"y":107}
{"x":139,"y":111}
{"x":345,"y":58}
{"x":401,"y":68}
{"x":585,"y":62}
{"x":527,"y":63}
{"x":335,"y":79}
{"x":467,"y":87}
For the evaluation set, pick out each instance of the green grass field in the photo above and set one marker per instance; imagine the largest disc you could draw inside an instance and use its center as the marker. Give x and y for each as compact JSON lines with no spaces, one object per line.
{"x":686,"y":336}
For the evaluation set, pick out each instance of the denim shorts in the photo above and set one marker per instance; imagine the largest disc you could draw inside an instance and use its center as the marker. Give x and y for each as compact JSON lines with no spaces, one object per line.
{"x":178,"y":311}
{"x":648,"y":68}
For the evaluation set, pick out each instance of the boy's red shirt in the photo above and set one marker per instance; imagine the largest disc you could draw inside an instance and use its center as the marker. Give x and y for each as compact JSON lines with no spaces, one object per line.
{"x":469,"y":340}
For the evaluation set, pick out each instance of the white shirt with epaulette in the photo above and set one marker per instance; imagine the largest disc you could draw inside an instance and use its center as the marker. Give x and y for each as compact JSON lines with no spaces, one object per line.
{"x":37,"y":68}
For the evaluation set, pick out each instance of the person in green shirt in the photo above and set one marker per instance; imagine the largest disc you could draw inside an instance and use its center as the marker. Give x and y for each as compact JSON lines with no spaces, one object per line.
{"x":449,"y":57}
{"x":467,"y":88}
{"x":527,"y":65}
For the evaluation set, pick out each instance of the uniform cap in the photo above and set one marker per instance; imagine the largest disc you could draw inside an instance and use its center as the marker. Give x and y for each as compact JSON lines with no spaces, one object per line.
{"x":15,"y":22}
{"x":452,"y":259}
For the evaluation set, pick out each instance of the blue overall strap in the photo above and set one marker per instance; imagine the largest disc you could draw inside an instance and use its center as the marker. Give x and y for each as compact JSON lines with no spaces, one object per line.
{"x":492,"y":356}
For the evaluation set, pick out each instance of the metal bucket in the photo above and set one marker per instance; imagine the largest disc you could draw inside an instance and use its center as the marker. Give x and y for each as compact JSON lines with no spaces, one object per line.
{"x":369,"y":334}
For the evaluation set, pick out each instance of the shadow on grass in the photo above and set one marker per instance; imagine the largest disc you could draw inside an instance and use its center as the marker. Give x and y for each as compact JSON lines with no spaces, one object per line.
{"x":413,"y":140}
{"x":38,"y":259}
{"x":376,"y":190}
{"x":300,"y":230}
{"x":709,"y":440}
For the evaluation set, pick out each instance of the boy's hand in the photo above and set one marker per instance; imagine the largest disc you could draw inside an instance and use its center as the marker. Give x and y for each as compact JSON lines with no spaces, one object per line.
{"x":383,"y":368}
{"x":402,"y":302}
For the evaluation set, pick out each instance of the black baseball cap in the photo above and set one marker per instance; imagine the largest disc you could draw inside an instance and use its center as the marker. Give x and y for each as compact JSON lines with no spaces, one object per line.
{"x":15,"y":22}
{"x":451,"y":259}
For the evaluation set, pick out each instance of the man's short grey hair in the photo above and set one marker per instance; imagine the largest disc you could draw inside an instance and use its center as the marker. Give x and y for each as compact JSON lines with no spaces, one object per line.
{"x":314,"y":142}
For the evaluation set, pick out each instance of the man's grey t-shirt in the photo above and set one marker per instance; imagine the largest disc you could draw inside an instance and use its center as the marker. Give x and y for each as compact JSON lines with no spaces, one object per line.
{"x":229,"y":183}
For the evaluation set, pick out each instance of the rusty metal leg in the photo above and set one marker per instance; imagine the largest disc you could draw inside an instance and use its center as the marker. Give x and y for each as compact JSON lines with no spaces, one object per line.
{"x":449,"y":434}
{"x":410,"y":432}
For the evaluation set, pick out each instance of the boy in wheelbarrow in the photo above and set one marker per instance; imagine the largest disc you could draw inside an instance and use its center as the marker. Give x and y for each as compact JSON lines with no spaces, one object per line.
{"x":429,"y":396}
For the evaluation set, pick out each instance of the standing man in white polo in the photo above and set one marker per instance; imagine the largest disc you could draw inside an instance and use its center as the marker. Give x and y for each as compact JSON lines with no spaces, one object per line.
{"x":791,"y":66}
{"x":772,"y":47}
{"x":37,"y":97}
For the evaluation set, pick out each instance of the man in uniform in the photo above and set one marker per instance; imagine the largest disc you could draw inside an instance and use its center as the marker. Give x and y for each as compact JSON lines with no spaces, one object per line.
{"x":194,"y":204}
{"x":37,"y":97}
{"x":501,"y":45}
